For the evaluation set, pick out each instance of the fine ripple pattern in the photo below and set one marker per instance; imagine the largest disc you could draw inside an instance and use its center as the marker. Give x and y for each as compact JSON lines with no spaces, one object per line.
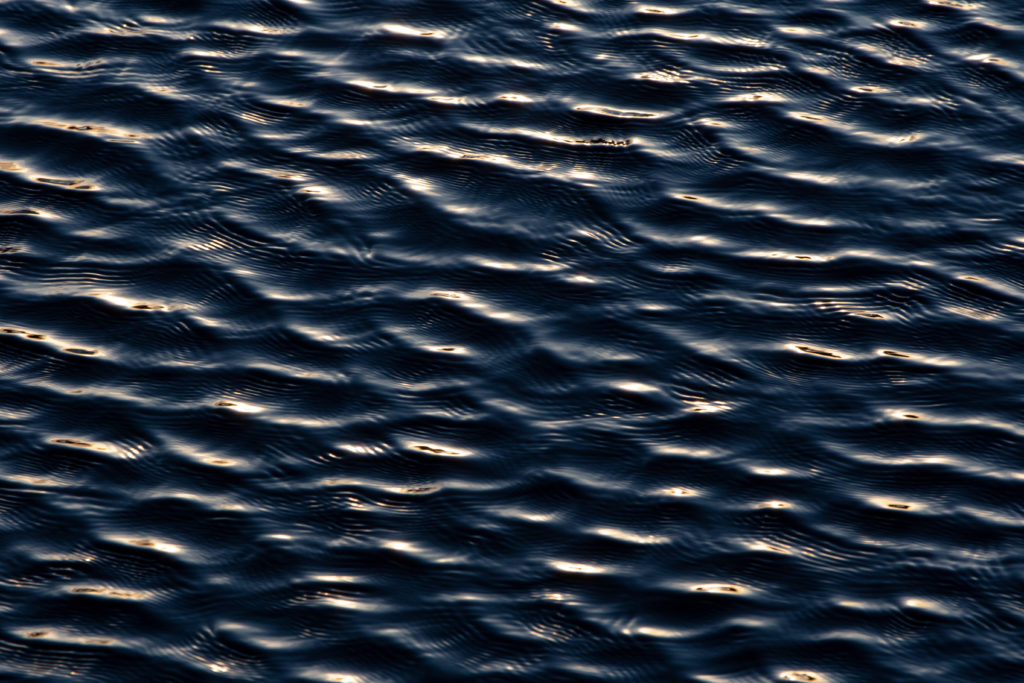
{"x":554,"y":340}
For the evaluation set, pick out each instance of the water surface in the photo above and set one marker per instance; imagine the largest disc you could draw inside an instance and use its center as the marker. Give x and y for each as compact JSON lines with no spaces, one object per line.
{"x":568,"y":340}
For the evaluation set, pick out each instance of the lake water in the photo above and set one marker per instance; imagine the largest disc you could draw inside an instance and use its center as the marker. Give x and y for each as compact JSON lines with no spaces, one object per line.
{"x":523,"y":340}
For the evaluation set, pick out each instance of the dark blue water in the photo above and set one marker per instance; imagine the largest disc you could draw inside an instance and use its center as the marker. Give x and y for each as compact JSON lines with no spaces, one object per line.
{"x":523,"y":340}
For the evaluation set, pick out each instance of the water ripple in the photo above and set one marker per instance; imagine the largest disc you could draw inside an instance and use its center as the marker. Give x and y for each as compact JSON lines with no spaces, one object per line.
{"x":559,"y":340}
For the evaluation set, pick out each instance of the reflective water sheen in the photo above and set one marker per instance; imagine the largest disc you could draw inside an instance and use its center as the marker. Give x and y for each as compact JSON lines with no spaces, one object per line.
{"x":524,"y":340}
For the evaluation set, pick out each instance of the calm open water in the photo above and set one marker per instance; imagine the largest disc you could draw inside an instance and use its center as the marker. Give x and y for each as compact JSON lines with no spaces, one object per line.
{"x":519,"y":340}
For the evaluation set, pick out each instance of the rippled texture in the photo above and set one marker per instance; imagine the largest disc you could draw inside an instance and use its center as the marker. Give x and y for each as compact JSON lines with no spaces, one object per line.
{"x":511,"y":341}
